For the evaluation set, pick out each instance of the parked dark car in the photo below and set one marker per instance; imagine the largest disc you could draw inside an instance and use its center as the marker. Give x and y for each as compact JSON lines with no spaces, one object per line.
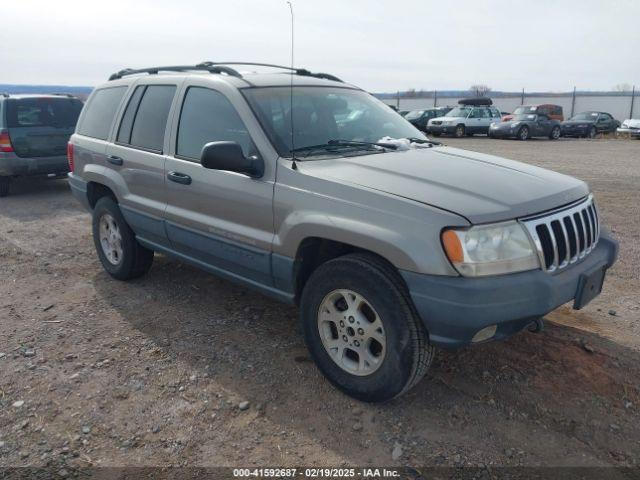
{"x":552,"y":111}
{"x":589,"y":124}
{"x":526,"y":126}
{"x":420,"y":118}
{"x":34,"y":131}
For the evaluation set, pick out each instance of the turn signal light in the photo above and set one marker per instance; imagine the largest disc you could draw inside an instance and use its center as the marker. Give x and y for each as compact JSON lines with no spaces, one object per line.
{"x":452,"y":246}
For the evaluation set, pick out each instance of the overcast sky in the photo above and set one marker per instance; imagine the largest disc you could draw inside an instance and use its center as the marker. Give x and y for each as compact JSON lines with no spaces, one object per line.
{"x":379,"y":45}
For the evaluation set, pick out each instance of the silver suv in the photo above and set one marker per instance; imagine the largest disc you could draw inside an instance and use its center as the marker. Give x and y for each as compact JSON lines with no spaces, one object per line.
{"x":311,"y":191}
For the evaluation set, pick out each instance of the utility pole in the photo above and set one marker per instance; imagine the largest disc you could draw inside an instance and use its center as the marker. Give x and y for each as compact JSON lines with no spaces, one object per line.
{"x":435,"y":98}
{"x":633,"y":97}
{"x":398,"y":100}
{"x":573,"y":101}
{"x":522,"y":98}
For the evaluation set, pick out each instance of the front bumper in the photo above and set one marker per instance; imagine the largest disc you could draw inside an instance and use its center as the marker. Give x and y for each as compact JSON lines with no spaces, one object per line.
{"x":574,"y":131}
{"x":632,"y":132}
{"x":502,"y":132}
{"x":12,"y":165}
{"x":454,"y":309}
{"x":446,"y":129}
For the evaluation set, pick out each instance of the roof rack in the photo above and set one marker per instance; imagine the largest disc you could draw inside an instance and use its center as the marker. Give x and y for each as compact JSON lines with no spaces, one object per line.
{"x":70,"y":95}
{"x":220,"y":68}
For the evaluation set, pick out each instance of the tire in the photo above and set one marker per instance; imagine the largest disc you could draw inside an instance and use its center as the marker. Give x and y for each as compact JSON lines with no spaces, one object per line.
{"x":592,"y":132}
{"x":130,"y":260}
{"x":4,"y":186}
{"x":460,"y":131}
{"x":555,"y":133}
{"x":378,"y":296}
{"x":523,"y":133}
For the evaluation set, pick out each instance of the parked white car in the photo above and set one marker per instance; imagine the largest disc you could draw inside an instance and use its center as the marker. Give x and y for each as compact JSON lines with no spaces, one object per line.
{"x":464,"y":120}
{"x":630,"y":127}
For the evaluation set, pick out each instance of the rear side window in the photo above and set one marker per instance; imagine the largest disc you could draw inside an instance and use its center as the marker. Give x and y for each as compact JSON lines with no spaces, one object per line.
{"x":124,"y":133}
{"x":43,"y":112}
{"x":150,"y":122}
{"x":100,"y":111}
{"x":207,"y":116}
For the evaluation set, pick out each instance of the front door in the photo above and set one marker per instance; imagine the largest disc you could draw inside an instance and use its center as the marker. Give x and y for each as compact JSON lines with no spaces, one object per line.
{"x":221,"y":219}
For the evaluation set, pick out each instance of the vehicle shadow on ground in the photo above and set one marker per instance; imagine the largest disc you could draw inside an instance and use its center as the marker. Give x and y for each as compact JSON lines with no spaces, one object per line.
{"x":55,"y":193}
{"x":558,"y":388}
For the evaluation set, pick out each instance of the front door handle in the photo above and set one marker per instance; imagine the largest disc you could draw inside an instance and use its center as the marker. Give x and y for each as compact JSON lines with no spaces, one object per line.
{"x":179,"y":178}
{"x":114,"y":160}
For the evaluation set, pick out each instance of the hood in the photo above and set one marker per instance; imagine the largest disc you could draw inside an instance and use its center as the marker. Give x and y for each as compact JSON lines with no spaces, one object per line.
{"x":482,"y":188}
{"x":632,"y":123}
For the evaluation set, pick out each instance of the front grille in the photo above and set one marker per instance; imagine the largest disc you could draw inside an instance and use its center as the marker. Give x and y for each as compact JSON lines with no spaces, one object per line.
{"x":564,"y":236}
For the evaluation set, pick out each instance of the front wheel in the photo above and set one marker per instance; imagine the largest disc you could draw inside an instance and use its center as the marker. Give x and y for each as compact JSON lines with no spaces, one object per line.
{"x":555,"y":133}
{"x":4,"y":186}
{"x":459,"y":131}
{"x":592,"y":132}
{"x":118,"y":250}
{"x":362,"y":330}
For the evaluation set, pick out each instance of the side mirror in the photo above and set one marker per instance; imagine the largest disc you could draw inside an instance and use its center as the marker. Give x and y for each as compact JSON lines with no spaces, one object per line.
{"x":228,"y":156}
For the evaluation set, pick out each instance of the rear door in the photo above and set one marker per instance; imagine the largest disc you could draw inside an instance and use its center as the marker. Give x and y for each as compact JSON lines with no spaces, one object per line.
{"x":41,"y":126}
{"x":135,"y":161}
{"x":543,"y":126}
{"x":220,"y":218}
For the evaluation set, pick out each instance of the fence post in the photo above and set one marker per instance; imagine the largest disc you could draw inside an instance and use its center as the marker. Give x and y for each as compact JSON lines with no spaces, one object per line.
{"x":573,"y":101}
{"x":435,"y":98}
{"x":522,"y":98}
{"x":633,"y":97}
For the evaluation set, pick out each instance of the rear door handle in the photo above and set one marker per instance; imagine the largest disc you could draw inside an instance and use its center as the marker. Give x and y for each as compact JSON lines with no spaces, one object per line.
{"x":114,"y":160}
{"x":179,"y":178}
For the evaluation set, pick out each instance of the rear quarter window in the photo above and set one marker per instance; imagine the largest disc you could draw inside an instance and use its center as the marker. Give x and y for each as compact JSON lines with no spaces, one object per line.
{"x":98,"y":117}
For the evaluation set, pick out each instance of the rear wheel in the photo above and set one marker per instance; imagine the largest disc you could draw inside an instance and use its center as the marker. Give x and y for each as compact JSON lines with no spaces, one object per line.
{"x":362,"y":330}
{"x":120,"y":253}
{"x":555,"y":133}
{"x":4,"y":186}
{"x":523,"y":133}
{"x":592,"y":132}
{"x":459,"y":131}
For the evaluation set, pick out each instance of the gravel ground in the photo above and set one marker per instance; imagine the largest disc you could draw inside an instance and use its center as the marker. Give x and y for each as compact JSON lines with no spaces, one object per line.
{"x":181,"y":368}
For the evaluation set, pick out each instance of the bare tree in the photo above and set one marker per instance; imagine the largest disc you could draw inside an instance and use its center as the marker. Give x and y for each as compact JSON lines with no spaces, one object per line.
{"x":480,"y":90}
{"x":622,"y":87}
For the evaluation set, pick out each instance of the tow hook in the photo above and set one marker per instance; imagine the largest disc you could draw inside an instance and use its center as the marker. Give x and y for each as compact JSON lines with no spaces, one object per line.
{"x":536,"y":326}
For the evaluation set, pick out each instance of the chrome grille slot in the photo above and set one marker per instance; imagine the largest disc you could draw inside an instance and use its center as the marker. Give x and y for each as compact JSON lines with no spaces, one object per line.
{"x":566,"y":235}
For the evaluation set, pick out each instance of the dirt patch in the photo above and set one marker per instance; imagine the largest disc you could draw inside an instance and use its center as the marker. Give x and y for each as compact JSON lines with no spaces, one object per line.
{"x":97,"y":372}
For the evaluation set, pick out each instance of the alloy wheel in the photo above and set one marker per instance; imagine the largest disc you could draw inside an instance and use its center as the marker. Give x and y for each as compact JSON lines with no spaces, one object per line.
{"x":110,"y":239}
{"x":351,"y":332}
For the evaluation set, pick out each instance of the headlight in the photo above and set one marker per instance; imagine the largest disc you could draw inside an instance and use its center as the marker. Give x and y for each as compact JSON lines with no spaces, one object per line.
{"x":493,"y":124}
{"x":515,"y":124}
{"x":490,"y":249}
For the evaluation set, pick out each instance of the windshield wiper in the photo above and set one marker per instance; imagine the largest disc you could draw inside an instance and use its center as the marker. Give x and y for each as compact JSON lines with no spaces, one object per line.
{"x":422,"y":140}
{"x":336,"y":144}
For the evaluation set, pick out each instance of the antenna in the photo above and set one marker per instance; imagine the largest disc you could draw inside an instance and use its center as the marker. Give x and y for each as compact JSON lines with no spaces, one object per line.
{"x":293,"y":153}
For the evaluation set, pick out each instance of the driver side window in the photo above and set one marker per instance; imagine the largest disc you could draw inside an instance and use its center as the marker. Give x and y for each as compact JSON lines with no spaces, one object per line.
{"x":208,"y":116}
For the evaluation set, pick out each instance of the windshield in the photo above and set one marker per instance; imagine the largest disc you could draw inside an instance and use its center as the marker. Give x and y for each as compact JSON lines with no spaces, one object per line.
{"x":321,"y":114}
{"x":520,"y":118}
{"x":414,"y":114}
{"x":459,"y":112}
{"x":585,"y":116}
{"x":525,"y":109}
